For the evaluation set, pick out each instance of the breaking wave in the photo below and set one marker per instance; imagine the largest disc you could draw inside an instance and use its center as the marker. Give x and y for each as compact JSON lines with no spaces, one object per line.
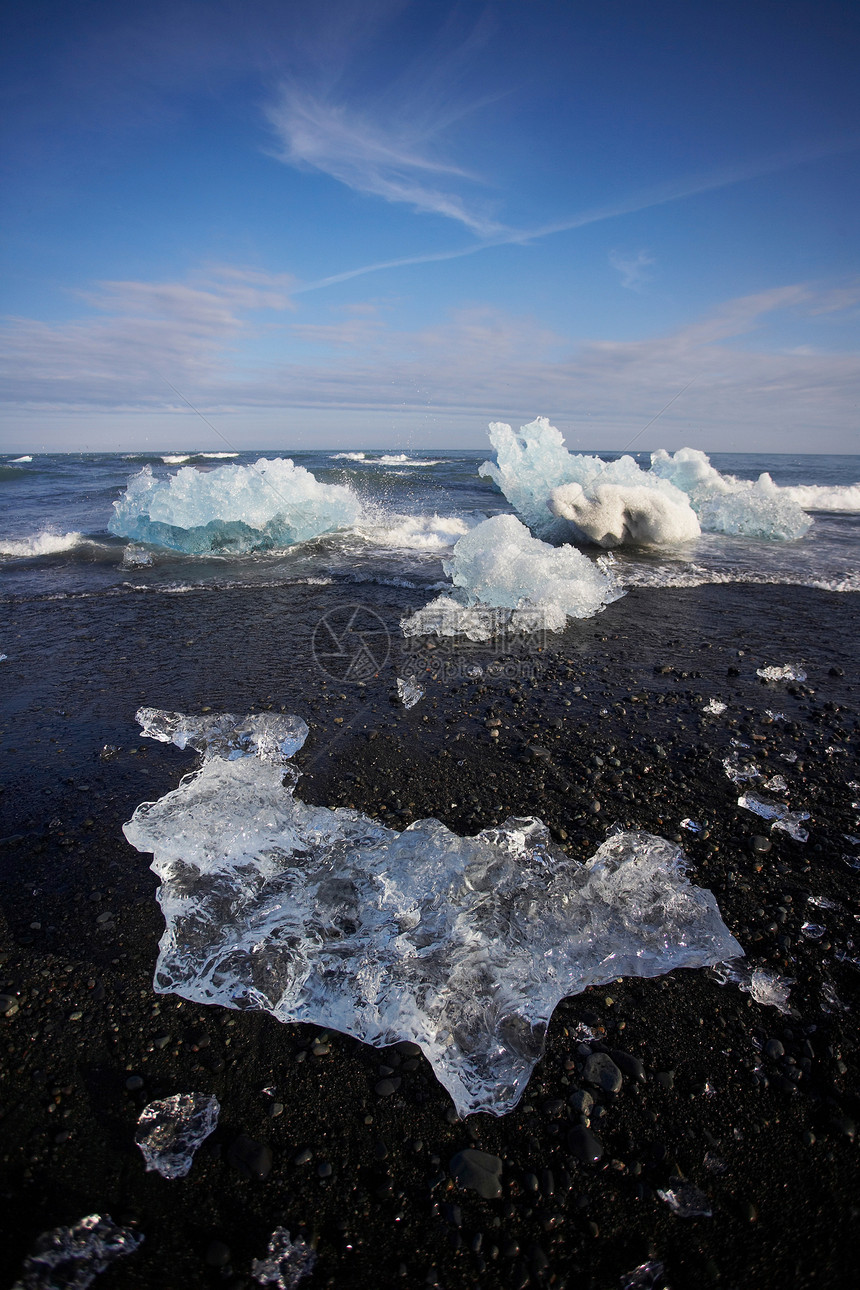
{"x":40,"y":544}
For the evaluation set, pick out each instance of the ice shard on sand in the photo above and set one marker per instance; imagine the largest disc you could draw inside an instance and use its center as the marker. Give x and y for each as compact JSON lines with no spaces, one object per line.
{"x":463,"y":945}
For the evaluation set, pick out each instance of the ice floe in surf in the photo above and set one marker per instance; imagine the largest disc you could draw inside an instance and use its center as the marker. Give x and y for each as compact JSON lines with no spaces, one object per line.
{"x":536,"y":473}
{"x":235,"y":509}
{"x":504,"y":575}
{"x":463,"y":945}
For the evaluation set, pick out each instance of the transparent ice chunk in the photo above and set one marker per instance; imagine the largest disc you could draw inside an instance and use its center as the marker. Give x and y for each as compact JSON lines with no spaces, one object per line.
{"x":234,"y":509}
{"x":463,"y":945}
{"x":691,"y":826}
{"x":715,"y":707}
{"x":782,"y":818}
{"x":70,"y":1258}
{"x":503,"y":576}
{"x":408,"y":691}
{"x":740,"y":772}
{"x":686,"y":1201}
{"x":286,"y":1261}
{"x":788,"y":672}
{"x":645,"y":1277}
{"x":170,"y":1131}
{"x":765,"y":986}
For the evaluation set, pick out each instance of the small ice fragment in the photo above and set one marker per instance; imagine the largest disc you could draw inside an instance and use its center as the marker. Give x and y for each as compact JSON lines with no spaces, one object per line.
{"x":714,"y":1163}
{"x":740,"y":772}
{"x":409,"y":691}
{"x":813,"y":931}
{"x":775,"y":716}
{"x":3,"y":658}
{"x":790,"y":757}
{"x":686,"y":1201}
{"x":782,"y":817}
{"x":645,"y":1277}
{"x":70,"y":1258}
{"x":169,"y":1132}
{"x":691,"y":826}
{"x":286,"y":1262}
{"x":821,"y":902}
{"x":474,"y":670}
{"x":137,"y":557}
{"x":776,"y":784}
{"x":715,"y":707}
{"x":788,"y":672}
{"x":766,"y":987}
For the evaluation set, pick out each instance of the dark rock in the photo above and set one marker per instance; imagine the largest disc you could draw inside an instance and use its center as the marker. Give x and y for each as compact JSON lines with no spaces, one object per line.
{"x":253,"y":1159}
{"x":385,"y":1087}
{"x":478,"y":1171}
{"x":600,"y":1070}
{"x":584,"y":1145}
{"x":628,"y":1064}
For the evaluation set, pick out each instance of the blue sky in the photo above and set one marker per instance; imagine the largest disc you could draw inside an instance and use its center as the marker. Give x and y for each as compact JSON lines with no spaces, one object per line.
{"x":387,"y":222}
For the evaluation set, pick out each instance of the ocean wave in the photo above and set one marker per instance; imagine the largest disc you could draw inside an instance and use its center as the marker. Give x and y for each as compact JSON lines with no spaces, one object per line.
{"x":40,"y":544}
{"x":695,"y":576}
{"x":417,"y":532}
{"x":823,"y":497}
{"x":14,"y":461}
{"x":348,"y":456}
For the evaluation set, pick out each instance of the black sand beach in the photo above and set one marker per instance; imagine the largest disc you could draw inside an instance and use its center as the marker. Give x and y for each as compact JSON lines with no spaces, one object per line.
{"x":603,"y":724}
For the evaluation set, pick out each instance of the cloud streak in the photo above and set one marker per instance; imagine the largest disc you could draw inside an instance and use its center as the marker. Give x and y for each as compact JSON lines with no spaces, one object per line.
{"x":395,"y":164}
{"x":481,"y":364}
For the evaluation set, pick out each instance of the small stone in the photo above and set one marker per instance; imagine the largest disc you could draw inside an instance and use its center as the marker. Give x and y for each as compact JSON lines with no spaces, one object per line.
{"x":581,"y":1101}
{"x":385,"y":1087}
{"x":479,"y":1171}
{"x":665,"y":1079}
{"x":761,"y":845}
{"x":324,"y":1169}
{"x":276,"y":1109}
{"x":253,"y":1159}
{"x":8,"y":1005}
{"x":217,"y":1254}
{"x":774,"y":1049}
{"x":600,"y":1070}
{"x":303,"y":1157}
{"x":584,"y":1145}
{"x":628,"y":1065}
{"x":133,"y":1083}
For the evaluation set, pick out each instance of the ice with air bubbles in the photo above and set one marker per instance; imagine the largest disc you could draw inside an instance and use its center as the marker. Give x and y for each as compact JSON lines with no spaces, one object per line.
{"x":504,"y":577}
{"x":564,"y":496}
{"x":232,"y":509}
{"x":463,"y":945}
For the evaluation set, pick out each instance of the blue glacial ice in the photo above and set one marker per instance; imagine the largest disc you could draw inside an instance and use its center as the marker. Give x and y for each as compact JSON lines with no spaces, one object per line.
{"x":617,"y":503}
{"x":232,"y":509}
{"x":503,"y":577}
{"x":463,"y":945}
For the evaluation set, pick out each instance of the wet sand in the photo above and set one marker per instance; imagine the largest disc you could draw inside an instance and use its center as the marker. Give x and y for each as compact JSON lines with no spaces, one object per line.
{"x":604,"y":724}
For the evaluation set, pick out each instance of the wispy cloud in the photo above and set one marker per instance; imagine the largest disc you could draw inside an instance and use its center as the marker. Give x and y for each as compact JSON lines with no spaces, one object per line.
{"x":397,"y":161}
{"x":632,"y":268}
{"x":481,"y":364}
{"x":647,"y":199}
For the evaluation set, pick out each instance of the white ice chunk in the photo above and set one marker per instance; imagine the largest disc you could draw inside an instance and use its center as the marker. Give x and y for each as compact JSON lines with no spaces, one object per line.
{"x":788,"y":821}
{"x":461,"y":945}
{"x":740,"y":772}
{"x":534,"y":466}
{"x":626,"y":515}
{"x":70,"y":1258}
{"x":787,"y":672}
{"x":500,"y":566}
{"x":409,"y":691}
{"x":286,"y":1262}
{"x":714,"y":707}
{"x":232,"y":509}
{"x":724,"y":504}
{"x":170,"y":1131}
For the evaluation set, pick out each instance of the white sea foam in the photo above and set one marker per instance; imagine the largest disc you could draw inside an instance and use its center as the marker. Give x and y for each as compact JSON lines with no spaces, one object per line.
{"x":693,"y":575}
{"x":348,"y":456}
{"x":44,"y":543}
{"x":219,"y":456}
{"x":176,"y":459}
{"x":416,"y":532}
{"x":823,"y":497}
{"x":17,"y":460}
